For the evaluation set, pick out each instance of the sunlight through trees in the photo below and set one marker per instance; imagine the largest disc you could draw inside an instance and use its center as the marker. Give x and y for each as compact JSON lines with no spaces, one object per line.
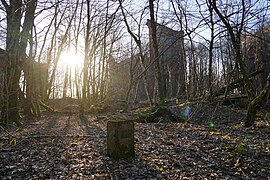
{"x":153,"y":51}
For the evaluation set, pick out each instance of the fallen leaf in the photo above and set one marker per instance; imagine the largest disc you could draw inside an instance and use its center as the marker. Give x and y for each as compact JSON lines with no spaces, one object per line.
{"x":13,"y":142}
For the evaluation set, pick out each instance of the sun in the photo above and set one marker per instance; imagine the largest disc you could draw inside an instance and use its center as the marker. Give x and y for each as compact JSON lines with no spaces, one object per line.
{"x":71,"y":59}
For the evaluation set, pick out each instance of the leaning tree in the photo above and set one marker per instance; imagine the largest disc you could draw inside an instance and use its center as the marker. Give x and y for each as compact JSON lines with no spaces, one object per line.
{"x":235,"y":31}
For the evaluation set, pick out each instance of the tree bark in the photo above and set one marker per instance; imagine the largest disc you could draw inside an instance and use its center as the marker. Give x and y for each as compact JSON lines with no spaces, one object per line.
{"x":159,"y":77}
{"x":86,"y":57}
{"x":16,"y":42}
{"x":235,"y":36}
{"x":210,"y":73}
{"x":255,"y":103}
{"x":66,"y":78}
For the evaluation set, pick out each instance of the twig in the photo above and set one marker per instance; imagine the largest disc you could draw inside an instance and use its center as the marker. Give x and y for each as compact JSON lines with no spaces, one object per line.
{"x":6,"y":131}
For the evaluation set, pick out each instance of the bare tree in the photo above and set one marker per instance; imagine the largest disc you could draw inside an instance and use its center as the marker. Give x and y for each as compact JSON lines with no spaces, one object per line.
{"x":138,"y":42}
{"x":16,"y":43}
{"x":86,"y":56}
{"x":235,"y":31}
{"x":160,"y":80}
{"x":59,"y":51}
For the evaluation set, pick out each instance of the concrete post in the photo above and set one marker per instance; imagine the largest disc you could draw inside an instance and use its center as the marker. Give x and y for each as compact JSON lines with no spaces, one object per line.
{"x":120,"y":139}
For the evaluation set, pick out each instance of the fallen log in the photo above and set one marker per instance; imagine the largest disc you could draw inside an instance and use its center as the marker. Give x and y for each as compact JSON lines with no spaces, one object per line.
{"x":239,"y":100}
{"x":155,"y":114}
{"x":48,"y":108}
{"x":237,"y":83}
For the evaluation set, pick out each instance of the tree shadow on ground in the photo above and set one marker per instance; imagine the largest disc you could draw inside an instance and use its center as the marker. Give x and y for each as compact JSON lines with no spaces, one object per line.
{"x":110,"y":168}
{"x":201,"y":152}
{"x":76,"y":149}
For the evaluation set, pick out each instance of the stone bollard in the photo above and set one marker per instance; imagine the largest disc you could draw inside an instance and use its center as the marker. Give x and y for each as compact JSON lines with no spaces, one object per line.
{"x":120,"y":139}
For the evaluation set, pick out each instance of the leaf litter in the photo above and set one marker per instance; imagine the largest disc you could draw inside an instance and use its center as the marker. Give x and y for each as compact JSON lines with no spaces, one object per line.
{"x":65,"y":146}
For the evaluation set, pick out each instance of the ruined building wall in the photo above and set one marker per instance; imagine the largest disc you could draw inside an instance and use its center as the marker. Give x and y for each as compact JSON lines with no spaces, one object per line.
{"x":119,"y":78}
{"x":171,"y":48}
{"x":256,"y":49}
{"x":39,"y":78}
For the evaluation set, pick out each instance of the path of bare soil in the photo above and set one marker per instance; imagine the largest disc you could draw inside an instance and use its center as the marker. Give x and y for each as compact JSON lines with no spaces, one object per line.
{"x":62,"y":146}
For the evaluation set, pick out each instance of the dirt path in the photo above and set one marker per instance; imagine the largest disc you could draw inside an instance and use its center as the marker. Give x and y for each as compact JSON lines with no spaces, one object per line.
{"x":68,"y":147}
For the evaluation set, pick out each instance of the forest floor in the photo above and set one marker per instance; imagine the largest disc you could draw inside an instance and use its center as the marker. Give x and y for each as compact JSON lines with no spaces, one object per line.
{"x":212,"y":144}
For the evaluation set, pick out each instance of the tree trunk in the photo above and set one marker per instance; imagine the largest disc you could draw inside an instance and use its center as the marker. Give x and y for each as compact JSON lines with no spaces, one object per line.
{"x":159,"y":77}
{"x":10,"y":109}
{"x":210,"y":73}
{"x":142,"y":58}
{"x":254,"y":104}
{"x":104,"y":49}
{"x":85,"y":63}
{"x":65,"y":83}
{"x":59,"y":50}
{"x":254,"y":100}
{"x":132,"y":81}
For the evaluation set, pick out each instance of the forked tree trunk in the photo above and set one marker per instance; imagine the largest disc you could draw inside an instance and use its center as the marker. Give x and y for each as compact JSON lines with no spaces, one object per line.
{"x":10,"y":107}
